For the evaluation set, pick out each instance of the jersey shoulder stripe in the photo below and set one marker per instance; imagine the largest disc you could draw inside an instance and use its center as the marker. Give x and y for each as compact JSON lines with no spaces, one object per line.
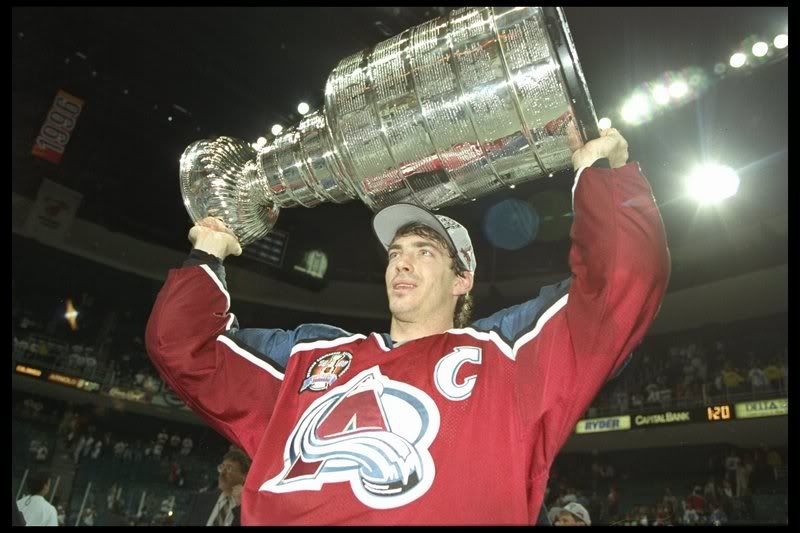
{"x":515,"y":324}
{"x":264,"y":363}
{"x":327,"y":343}
{"x":241,"y":348}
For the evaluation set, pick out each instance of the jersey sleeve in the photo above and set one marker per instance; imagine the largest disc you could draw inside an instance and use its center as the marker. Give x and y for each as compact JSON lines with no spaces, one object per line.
{"x":231,"y":377}
{"x":577,"y":334}
{"x":194,"y":342}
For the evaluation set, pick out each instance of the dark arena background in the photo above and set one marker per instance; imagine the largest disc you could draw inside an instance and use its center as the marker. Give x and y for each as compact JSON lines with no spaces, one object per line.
{"x":693,"y":431}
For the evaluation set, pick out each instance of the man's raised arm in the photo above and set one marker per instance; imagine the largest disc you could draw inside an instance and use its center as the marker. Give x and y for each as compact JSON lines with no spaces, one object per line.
{"x":192,"y":340}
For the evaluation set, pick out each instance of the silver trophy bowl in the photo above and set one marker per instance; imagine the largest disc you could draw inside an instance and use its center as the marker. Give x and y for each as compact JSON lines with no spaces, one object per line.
{"x":447,"y":111}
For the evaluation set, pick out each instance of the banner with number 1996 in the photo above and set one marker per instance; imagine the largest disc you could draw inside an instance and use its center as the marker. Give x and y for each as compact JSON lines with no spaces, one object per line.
{"x":57,"y":128}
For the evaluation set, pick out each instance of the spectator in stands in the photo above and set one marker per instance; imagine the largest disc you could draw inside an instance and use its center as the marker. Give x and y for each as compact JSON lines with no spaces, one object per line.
{"x":97,"y":450}
{"x":176,"y":476}
{"x":41,"y":453}
{"x":572,"y":514}
{"x":717,"y":516}
{"x":710,"y":490}
{"x":774,"y":461}
{"x":653,"y":396}
{"x":690,"y":516}
{"x":138,"y":451}
{"x":158,"y":450}
{"x":174,"y":445}
{"x":671,"y":504}
{"x":76,"y":455}
{"x":595,"y":506}
{"x":731,"y":465}
{"x":88,"y":516}
{"x":612,"y":502}
{"x":643,"y":516}
{"x":773,"y":374}
{"x":758,"y":380}
{"x":662,"y":516}
{"x":114,"y":515}
{"x":127,"y":454}
{"x":636,"y":401}
{"x":569,"y":496}
{"x":186,"y":446}
{"x":743,"y":471}
{"x":34,"y":507}
{"x":732,"y":379}
{"x":91,"y":365}
{"x":61,"y":514}
{"x":696,"y":501}
{"x":222,"y":508}
{"x":89,"y":444}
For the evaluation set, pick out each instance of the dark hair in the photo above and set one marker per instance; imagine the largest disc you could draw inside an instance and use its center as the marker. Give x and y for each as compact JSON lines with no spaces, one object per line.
{"x":464,"y":304}
{"x":238,"y":456}
{"x":37,"y":480}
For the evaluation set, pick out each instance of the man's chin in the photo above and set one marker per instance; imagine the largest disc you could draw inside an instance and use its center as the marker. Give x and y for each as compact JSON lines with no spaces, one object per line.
{"x":403,"y":313}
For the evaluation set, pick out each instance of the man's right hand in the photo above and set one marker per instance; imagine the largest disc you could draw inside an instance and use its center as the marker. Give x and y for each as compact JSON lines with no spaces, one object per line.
{"x":212,"y":236}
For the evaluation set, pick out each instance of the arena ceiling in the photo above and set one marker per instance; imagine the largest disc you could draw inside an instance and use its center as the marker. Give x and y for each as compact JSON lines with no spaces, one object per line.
{"x":156,"y":79}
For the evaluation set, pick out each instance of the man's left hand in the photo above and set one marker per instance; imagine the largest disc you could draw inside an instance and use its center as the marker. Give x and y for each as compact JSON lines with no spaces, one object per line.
{"x":611,"y":145}
{"x":236,"y":492}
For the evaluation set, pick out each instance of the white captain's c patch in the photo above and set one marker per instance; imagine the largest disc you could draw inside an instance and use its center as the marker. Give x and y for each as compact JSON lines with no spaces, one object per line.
{"x":444,"y":375}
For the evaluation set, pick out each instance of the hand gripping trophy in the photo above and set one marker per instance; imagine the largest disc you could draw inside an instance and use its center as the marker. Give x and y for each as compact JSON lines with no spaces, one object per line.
{"x":447,"y":111}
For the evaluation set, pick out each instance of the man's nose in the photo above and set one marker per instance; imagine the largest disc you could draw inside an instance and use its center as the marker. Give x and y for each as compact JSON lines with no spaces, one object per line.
{"x":403,"y":264}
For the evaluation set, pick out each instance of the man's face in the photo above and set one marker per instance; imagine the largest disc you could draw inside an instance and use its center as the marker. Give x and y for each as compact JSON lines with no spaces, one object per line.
{"x":566,"y":518}
{"x":230,"y":475}
{"x":420,"y":281}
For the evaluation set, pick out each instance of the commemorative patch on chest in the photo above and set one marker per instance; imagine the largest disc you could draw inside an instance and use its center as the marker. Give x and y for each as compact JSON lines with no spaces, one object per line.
{"x":325,"y":370}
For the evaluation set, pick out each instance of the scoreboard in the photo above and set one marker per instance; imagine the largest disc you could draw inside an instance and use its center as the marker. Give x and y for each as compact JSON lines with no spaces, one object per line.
{"x":712,"y":414}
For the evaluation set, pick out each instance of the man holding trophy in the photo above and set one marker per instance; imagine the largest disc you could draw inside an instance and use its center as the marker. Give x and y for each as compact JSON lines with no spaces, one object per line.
{"x":440,"y":420}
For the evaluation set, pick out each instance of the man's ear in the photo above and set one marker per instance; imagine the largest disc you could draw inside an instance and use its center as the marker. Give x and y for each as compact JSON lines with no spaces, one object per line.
{"x":463,"y":283}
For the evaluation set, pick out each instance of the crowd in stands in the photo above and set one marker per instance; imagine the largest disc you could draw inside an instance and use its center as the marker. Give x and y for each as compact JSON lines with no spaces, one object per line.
{"x":666,"y":371}
{"x":160,"y":461}
{"x":720,"y":493}
{"x":707,"y":365}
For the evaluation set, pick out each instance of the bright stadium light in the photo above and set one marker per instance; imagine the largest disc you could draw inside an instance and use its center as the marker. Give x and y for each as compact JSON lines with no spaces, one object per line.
{"x":604,"y":123}
{"x":738,"y":59}
{"x":302,"y":108}
{"x":276,"y":129}
{"x":261,"y":141}
{"x":711,"y":183}
{"x":781,"y":41}
{"x":678,"y":89}
{"x":635,"y":108}
{"x":760,"y":49}
{"x":660,"y":95}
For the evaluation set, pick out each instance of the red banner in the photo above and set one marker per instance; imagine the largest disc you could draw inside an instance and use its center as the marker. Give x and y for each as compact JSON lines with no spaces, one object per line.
{"x":57,"y":127}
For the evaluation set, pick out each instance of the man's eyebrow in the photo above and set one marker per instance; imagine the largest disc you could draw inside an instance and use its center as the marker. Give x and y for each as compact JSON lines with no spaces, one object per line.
{"x":415,"y":244}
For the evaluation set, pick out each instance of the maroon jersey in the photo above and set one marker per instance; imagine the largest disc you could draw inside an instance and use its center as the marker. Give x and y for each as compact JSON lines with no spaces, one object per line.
{"x":455,"y":428}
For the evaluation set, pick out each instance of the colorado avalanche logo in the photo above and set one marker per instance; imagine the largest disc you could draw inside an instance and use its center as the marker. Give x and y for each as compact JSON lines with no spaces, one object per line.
{"x":372,"y":432}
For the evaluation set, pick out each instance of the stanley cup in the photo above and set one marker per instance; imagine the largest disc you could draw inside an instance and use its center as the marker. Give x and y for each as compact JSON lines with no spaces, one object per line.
{"x":447,"y":111}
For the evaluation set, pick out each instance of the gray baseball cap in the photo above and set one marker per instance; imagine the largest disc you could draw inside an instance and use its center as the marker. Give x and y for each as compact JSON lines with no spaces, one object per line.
{"x":389,"y":219}
{"x":575,"y":509}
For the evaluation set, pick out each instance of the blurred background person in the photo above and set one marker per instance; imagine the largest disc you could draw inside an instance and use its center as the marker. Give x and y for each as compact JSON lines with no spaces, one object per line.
{"x":34,"y":507}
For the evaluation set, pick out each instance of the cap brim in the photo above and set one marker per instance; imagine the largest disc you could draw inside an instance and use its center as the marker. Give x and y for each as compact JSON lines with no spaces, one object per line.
{"x":388,"y":220}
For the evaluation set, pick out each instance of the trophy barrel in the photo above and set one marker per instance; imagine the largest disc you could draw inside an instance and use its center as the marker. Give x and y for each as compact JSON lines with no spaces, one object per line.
{"x":460,"y":107}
